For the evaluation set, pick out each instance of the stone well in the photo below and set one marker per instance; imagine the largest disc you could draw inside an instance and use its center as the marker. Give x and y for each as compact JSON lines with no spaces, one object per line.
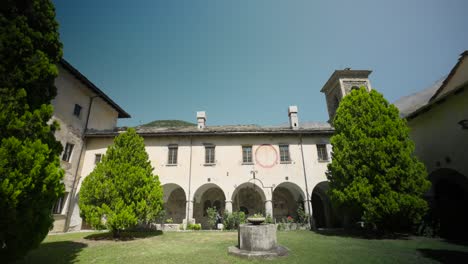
{"x":257,"y":241}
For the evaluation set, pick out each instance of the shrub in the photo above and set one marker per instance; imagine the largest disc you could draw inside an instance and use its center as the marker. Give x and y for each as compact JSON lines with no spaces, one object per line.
{"x":281,"y":226}
{"x":268,"y":219}
{"x":212,"y":214}
{"x":302,"y":217}
{"x":232,"y":221}
{"x":122,"y":190}
{"x":169,"y":221}
{"x":194,"y":227}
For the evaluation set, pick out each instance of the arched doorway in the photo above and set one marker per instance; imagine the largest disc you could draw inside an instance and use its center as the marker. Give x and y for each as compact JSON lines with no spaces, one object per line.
{"x":322,"y":211}
{"x":248,"y":198}
{"x":287,"y":198}
{"x":449,"y":203}
{"x":206,"y":196}
{"x":174,"y":202}
{"x":318,"y":211}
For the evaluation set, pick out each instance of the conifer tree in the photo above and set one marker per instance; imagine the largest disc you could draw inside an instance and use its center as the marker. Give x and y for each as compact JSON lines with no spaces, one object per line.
{"x":30,"y":174}
{"x":122,"y":190}
{"x":374,"y":175}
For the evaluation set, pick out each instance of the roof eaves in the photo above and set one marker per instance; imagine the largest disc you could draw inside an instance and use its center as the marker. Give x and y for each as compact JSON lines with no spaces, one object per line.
{"x":94,"y":88}
{"x":439,"y":100}
{"x":450,"y":75}
{"x":216,"y":133}
{"x":344,"y":74}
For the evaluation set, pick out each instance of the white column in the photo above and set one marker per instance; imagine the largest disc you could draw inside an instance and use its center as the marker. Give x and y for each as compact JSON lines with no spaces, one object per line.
{"x":228,"y":206}
{"x":268,"y":208}
{"x":308,"y":207}
{"x":189,"y":210}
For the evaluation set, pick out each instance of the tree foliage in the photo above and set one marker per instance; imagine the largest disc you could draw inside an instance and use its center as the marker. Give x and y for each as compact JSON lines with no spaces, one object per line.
{"x":212,"y":214}
{"x":374,"y":174}
{"x":122,"y":191}
{"x":30,"y":174}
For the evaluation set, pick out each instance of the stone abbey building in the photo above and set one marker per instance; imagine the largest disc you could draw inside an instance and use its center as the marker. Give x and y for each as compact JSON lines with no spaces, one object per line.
{"x":272,"y":170}
{"x":249,"y":168}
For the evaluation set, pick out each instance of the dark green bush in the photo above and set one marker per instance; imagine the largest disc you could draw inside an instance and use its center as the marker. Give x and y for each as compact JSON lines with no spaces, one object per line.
{"x":194,"y":227}
{"x":232,"y":221}
{"x":212,"y":213}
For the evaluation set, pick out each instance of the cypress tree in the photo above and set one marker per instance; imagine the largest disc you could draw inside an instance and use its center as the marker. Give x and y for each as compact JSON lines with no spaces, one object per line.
{"x":122,"y":190}
{"x":374,"y":175}
{"x":30,"y":174}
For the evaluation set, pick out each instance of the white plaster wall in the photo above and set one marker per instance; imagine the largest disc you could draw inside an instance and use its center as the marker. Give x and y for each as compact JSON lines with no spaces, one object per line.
{"x":102,"y":116}
{"x":459,"y":78}
{"x":228,"y":172}
{"x":71,"y":91}
{"x":437,"y":134}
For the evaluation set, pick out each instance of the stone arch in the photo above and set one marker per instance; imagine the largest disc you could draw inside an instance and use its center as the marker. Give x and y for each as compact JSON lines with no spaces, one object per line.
{"x":174,"y":199}
{"x":249,"y":197}
{"x":207,"y":195}
{"x":287,"y":197}
{"x":448,"y":199}
{"x":321,"y":206}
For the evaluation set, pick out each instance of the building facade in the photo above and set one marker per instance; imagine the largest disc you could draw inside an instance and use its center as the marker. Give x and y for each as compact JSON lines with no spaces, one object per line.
{"x":271,"y":170}
{"x":78,"y":106}
{"x":233,"y":168}
{"x":438,"y":119}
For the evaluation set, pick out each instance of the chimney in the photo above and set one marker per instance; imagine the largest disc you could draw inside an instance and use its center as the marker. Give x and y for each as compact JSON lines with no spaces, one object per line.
{"x":201,"y":120}
{"x":293,"y":119}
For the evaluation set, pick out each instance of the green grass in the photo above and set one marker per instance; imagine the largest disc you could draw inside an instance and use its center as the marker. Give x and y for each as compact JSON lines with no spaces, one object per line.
{"x":211,"y":247}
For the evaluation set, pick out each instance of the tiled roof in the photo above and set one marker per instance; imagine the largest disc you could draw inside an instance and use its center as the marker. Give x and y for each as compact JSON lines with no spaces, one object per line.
{"x":415,"y":104}
{"x":410,"y":103}
{"x":307,"y":128}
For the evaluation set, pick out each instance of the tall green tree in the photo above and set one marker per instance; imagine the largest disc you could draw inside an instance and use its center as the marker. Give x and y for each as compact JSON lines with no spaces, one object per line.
{"x":374,"y":175}
{"x":30,"y":174}
{"x":122,"y":190}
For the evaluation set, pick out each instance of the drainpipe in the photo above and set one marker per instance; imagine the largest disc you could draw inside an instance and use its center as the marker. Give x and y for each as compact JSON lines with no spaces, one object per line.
{"x":311,"y":220}
{"x":189,"y":184}
{"x":83,"y":148}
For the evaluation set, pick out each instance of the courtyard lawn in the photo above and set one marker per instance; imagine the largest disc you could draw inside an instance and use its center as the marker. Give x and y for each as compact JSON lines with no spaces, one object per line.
{"x":211,"y":247}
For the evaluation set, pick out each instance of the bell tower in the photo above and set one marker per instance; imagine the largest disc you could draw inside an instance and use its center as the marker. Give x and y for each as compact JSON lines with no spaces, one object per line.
{"x":340,"y":84}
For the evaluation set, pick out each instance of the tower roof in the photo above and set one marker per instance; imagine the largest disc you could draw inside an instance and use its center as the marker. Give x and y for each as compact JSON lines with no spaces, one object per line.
{"x":346,"y":73}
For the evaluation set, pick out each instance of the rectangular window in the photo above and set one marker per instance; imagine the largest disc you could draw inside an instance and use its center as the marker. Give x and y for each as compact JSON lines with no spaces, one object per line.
{"x":247,"y":154}
{"x":58,"y":206}
{"x":172,"y":157}
{"x":77,"y":110}
{"x":284,"y":153}
{"x":209,"y":154}
{"x":97,"y":158}
{"x":322,"y":152}
{"x":67,"y":152}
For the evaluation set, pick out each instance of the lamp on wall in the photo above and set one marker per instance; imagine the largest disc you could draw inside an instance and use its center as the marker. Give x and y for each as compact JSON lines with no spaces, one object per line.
{"x":463,"y":123}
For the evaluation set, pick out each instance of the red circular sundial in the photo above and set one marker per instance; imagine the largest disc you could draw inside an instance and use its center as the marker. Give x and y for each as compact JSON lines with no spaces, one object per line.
{"x":266,"y":156}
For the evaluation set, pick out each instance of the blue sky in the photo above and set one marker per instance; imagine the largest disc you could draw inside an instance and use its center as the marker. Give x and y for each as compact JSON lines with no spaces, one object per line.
{"x":246,"y":61}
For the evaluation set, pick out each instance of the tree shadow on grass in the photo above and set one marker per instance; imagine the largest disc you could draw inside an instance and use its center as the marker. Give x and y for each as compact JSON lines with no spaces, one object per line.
{"x":445,"y":256}
{"x":54,"y":252}
{"x":363,"y":234}
{"x":124,"y":236}
{"x":459,"y":241}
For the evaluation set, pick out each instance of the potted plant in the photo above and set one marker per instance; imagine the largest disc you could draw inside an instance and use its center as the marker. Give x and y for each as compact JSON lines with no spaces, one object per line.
{"x":256,"y":219}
